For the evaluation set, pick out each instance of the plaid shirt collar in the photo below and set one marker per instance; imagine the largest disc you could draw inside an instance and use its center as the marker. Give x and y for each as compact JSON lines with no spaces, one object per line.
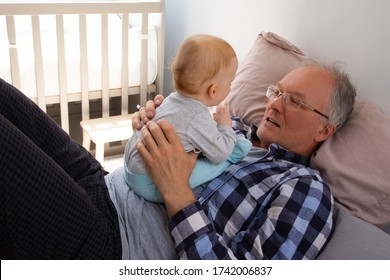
{"x":279,"y":152}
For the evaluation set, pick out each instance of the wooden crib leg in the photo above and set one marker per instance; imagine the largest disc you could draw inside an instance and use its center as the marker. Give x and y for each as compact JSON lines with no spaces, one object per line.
{"x":99,"y":152}
{"x":86,"y":140}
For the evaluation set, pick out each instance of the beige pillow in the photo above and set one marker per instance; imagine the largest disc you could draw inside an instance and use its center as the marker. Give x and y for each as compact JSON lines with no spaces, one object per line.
{"x":355,"y":163}
{"x":270,"y":58}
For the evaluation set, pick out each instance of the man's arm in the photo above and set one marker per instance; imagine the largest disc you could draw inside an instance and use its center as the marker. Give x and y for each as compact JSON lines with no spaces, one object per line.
{"x":292,"y":225}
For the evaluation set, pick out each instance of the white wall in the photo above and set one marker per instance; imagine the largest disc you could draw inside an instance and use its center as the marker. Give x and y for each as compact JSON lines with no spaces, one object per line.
{"x":355,"y":32}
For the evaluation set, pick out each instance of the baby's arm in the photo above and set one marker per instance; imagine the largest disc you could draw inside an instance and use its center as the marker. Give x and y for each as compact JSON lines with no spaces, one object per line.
{"x":216,"y":142}
{"x":222,"y":115}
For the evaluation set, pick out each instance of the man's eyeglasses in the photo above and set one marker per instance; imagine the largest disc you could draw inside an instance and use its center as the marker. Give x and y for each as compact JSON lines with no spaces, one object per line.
{"x":291,"y":101}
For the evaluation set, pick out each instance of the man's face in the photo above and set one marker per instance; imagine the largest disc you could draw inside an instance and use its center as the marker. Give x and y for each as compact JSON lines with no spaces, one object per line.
{"x":298,"y":131}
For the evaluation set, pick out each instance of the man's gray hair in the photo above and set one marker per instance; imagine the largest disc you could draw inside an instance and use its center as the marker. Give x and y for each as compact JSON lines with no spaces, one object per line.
{"x":343,"y":96}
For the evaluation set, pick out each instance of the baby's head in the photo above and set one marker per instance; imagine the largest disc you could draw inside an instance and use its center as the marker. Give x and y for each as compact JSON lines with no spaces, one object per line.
{"x":204,"y":63}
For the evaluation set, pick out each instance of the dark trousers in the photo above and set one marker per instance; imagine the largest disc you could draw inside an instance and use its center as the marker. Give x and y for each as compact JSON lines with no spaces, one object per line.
{"x":54,"y":203}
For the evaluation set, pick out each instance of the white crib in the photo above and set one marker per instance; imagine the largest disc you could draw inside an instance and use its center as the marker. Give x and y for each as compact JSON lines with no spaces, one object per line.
{"x":85,"y":51}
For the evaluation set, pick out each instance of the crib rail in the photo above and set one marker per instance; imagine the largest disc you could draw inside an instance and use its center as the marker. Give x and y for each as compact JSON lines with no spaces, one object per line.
{"x":59,"y":9}
{"x":82,"y":7}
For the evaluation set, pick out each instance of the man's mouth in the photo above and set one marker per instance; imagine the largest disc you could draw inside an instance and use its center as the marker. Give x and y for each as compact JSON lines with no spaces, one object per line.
{"x":272,"y":121}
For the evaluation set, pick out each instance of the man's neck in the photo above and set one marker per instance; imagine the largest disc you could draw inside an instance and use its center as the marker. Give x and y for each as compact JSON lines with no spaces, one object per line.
{"x":257,"y":143}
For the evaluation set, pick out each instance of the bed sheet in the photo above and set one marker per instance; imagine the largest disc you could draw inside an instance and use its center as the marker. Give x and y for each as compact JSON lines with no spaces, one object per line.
{"x":72,"y":53}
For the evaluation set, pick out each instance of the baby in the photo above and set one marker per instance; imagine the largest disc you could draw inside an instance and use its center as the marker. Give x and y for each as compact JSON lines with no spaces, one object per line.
{"x":202,"y":72}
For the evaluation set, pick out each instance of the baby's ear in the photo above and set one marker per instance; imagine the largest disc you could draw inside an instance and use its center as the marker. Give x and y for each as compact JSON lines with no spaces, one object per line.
{"x":212,"y":89}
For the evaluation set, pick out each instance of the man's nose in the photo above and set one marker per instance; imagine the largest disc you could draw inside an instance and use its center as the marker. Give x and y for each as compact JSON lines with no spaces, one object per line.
{"x":277,"y":103}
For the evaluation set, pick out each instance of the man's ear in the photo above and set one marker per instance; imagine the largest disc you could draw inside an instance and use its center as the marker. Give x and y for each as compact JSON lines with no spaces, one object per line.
{"x":325,"y":132}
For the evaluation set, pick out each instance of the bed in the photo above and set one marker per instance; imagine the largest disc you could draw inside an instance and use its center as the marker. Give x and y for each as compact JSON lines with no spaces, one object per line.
{"x":360,"y":187}
{"x":61,"y":53}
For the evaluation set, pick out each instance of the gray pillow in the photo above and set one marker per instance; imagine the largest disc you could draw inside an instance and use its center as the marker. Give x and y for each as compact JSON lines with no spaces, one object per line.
{"x":355,"y":239}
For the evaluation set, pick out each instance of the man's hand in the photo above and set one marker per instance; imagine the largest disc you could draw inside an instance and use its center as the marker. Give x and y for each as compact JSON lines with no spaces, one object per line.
{"x":168,"y":165}
{"x":146,"y":113}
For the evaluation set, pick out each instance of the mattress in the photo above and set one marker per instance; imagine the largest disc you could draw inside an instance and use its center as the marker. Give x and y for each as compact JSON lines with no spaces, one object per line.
{"x":24,"y":45}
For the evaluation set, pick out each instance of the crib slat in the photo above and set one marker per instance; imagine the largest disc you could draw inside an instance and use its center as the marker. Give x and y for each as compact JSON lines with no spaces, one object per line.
{"x":105,"y":72}
{"x":161,"y":49}
{"x":62,"y":82}
{"x":144,"y":59}
{"x":13,"y":52}
{"x":84,"y":67}
{"x":125,"y":63}
{"x":39,"y":75}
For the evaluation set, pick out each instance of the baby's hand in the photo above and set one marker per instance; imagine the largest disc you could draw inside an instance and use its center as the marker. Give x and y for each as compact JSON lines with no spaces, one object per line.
{"x":222,"y":115}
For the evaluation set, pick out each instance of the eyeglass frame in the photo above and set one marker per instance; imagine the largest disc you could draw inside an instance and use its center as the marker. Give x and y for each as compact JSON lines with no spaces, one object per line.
{"x":272,"y":90}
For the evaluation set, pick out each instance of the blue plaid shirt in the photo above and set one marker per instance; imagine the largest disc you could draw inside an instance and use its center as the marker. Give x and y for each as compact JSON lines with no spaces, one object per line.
{"x":271,"y":205}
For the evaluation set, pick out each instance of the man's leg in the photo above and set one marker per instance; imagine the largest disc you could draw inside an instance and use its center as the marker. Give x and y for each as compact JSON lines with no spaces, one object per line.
{"x":53,"y":200}
{"x":45,"y":133}
{"x":56,"y":143}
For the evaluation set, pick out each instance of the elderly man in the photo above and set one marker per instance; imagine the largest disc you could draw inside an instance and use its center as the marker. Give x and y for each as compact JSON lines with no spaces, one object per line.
{"x":271,"y":205}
